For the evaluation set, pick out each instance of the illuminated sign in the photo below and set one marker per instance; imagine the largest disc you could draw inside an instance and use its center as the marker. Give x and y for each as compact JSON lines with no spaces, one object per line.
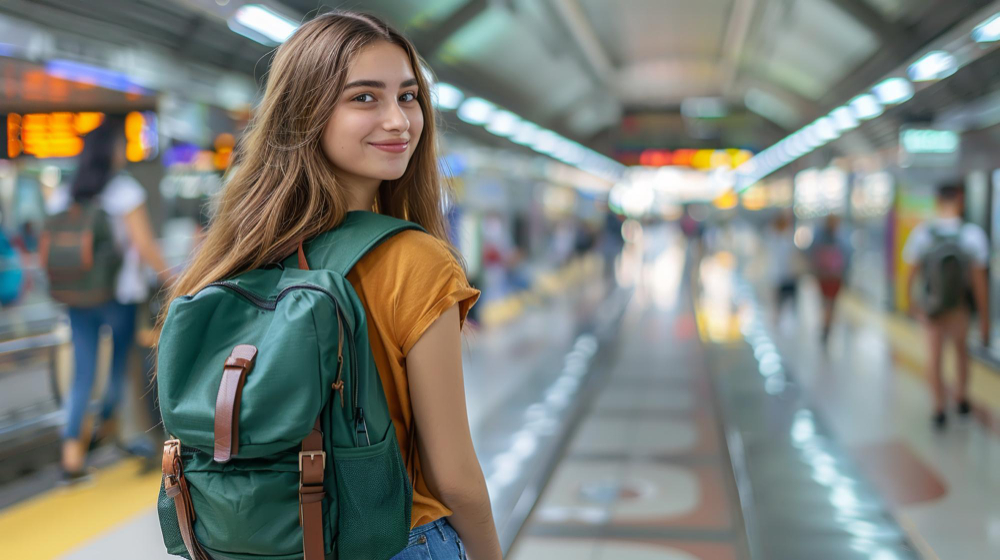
{"x":140,"y":136}
{"x":928,"y":147}
{"x":47,"y":135}
{"x":929,"y":141}
{"x":14,"y":147}
{"x":224,"y":144}
{"x":696,"y":159}
{"x":60,"y":135}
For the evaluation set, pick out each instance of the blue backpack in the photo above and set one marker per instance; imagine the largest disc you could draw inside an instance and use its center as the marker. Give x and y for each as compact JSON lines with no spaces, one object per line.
{"x":11,"y":275}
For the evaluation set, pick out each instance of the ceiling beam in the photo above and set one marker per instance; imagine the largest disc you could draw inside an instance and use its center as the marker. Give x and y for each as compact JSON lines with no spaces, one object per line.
{"x":735,"y":40}
{"x":582,"y":33}
{"x":892,"y":35}
{"x":939,"y":17}
{"x":429,"y":41}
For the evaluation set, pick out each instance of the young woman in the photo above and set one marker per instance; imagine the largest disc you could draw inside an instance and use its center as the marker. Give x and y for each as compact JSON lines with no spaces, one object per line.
{"x":99,"y":180}
{"x":346,"y":124}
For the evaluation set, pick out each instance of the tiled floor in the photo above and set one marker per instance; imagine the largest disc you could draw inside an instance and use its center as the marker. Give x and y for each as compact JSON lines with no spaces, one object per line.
{"x":646,"y":475}
{"x":870,"y":388}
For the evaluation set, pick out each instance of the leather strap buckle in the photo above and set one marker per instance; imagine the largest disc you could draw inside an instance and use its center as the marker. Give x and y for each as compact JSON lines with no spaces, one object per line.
{"x":312,"y":456}
{"x":171,"y":466}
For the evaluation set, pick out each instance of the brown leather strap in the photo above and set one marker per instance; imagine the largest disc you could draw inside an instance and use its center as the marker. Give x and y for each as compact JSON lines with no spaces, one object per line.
{"x":303,"y":263}
{"x":312,"y":465}
{"x":175,"y":486}
{"x":227,"y":404}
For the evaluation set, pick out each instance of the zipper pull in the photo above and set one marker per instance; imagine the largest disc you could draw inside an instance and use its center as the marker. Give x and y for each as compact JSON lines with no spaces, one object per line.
{"x":338,"y":385}
{"x":361,"y":428}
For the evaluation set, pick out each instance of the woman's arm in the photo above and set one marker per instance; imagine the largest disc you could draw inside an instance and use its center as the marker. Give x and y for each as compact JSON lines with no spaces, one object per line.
{"x":141,"y":234}
{"x":450,"y":466}
{"x":980,"y":291}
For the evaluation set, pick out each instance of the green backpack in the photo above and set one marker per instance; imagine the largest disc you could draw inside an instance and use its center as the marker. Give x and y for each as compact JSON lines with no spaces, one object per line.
{"x":281,"y":446}
{"x":79,"y":255}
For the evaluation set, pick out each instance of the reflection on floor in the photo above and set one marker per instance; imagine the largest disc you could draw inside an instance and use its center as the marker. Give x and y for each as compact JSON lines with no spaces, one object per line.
{"x":647,"y":473}
{"x":870,"y":387}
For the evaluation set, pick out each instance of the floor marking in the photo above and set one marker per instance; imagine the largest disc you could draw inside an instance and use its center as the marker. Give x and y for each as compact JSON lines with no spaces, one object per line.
{"x":60,"y":520}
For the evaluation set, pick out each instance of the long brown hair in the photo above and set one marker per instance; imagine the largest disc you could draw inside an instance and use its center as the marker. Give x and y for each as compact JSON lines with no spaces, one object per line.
{"x":283,"y":189}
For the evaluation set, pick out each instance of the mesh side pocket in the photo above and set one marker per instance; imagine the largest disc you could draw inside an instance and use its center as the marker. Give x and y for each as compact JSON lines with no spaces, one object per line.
{"x":167,"y":512}
{"x":375,"y":500}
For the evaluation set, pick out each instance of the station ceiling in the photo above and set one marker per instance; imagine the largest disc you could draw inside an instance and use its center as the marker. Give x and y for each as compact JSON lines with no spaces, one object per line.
{"x":610,"y":74}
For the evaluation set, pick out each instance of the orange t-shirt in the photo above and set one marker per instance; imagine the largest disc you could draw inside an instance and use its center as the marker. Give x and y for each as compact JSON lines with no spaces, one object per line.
{"x":405,"y":284}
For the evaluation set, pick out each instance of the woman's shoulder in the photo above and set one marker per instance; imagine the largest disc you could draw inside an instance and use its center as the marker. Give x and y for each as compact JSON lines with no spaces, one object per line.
{"x":122,"y":195}
{"x":415,"y":249}
{"x":412,"y":254}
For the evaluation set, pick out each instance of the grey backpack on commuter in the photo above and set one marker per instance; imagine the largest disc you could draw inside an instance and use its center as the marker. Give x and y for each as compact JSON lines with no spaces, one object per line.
{"x":945,"y":273}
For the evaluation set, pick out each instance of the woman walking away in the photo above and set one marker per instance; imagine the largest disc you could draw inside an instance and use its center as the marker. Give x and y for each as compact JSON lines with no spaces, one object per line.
{"x":93,"y":249}
{"x":338,"y":174}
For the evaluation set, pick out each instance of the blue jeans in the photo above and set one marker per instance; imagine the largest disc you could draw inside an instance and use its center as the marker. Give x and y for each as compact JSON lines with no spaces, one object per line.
{"x":86,"y":323}
{"x":435,"y":541}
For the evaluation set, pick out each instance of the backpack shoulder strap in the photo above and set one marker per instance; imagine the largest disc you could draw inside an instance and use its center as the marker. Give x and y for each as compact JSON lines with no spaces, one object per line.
{"x":341,"y":248}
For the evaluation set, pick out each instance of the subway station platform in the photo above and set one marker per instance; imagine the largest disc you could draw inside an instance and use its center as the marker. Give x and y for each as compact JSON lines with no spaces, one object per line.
{"x":667,"y":415}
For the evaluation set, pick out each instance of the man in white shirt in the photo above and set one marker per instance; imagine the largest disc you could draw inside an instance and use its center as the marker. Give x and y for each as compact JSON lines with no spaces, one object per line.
{"x":928,"y":242}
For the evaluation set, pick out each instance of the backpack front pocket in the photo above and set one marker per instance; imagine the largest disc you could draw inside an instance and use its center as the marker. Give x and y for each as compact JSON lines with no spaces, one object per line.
{"x":245,"y":510}
{"x":375,"y":500}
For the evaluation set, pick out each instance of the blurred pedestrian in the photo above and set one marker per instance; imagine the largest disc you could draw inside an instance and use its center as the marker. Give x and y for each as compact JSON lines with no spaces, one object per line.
{"x":611,"y":242}
{"x":950,"y":257}
{"x":829,"y":257}
{"x":784,"y":263}
{"x":693,"y":229}
{"x":93,"y":248}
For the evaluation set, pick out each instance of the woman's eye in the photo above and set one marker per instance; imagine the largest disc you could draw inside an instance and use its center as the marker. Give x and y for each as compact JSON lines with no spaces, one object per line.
{"x":408,"y":96}
{"x":365,"y":98}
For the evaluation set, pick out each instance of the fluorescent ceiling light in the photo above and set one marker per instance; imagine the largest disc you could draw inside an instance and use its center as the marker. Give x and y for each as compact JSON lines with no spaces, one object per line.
{"x":93,"y":75}
{"x":546,"y":142}
{"x":800,"y":143}
{"x":933,"y":66}
{"x":844,"y":119}
{"x":526,"y":133}
{"x":476,"y":110}
{"x":264,"y":23}
{"x":866,"y":106}
{"x":893,"y":91}
{"x":988,"y":31}
{"x":783,"y":153}
{"x":811,"y":137}
{"x":826,"y":129}
{"x":447,"y":97}
{"x":572,"y":153}
{"x":503,"y":123}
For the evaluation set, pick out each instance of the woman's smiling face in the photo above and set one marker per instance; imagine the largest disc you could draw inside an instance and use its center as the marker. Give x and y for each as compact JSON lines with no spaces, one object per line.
{"x":376,"y":124}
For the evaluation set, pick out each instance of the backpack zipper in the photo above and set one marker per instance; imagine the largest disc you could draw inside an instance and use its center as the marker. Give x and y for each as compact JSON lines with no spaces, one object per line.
{"x":272,"y":304}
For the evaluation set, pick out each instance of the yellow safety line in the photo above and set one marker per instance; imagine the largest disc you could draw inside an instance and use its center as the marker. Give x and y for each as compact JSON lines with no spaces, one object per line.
{"x":61,"y":520}
{"x":501,"y":311}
